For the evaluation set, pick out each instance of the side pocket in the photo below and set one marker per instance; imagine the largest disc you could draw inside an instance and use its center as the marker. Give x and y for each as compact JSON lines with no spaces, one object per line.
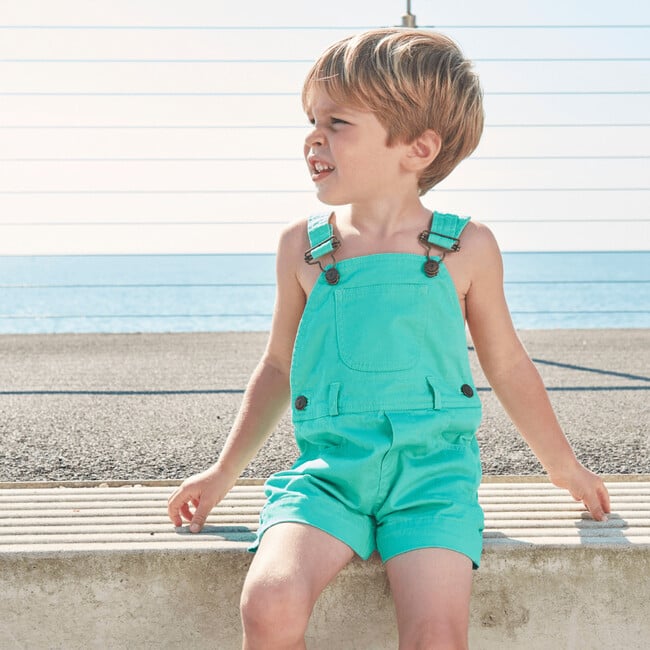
{"x":460,"y":432}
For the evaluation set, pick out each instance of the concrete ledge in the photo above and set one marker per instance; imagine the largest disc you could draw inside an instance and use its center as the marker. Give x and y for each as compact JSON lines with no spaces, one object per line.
{"x":101,"y":567}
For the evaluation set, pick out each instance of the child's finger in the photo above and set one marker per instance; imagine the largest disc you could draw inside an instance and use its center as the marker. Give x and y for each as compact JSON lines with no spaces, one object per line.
{"x":200,"y":517}
{"x":604,"y":499}
{"x":598,"y":505}
{"x":186,"y":513}
{"x":173,"y":509}
{"x":597,"y":513}
{"x":177,"y":507}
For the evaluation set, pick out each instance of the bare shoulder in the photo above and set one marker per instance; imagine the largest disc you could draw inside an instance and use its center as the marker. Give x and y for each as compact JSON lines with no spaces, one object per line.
{"x":292,"y":243}
{"x":479,"y":243}
{"x":477,"y":258}
{"x":293,"y":238}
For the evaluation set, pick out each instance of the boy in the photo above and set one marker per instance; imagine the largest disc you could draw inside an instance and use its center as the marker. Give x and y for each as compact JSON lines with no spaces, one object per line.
{"x":368,"y":342}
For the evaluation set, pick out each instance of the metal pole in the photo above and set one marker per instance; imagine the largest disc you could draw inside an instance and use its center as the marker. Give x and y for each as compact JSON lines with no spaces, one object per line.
{"x":408,"y":19}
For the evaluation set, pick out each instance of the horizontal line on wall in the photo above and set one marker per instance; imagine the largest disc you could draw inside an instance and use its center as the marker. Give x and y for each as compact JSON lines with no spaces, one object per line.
{"x":581,"y":26}
{"x":588,"y":251}
{"x":288,"y":126}
{"x":143,"y":223}
{"x":310,"y":61}
{"x":559,"y":157}
{"x":292,"y":159}
{"x":135,"y":286}
{"x":283,"y":223}
{"x":164,"y":61}
{"x":581,"y":311}
{"x":201,"y":160}
{"x":287,"y":191}
{"x":71,"y":316}
{"x":153,"y":94}
{"x":309,"y":27}
{"x":296,"y":94}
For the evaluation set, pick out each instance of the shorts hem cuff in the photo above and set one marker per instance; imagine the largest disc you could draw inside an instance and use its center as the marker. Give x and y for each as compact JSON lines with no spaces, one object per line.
{"x":293,"y":513}
{"x":401,"y":542}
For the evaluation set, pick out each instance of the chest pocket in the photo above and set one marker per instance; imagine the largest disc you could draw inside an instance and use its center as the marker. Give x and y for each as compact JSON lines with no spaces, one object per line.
{"x":381,"y":328}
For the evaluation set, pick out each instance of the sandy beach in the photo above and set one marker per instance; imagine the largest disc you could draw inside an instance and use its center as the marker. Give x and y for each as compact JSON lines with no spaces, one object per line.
{"x":159,"y":406}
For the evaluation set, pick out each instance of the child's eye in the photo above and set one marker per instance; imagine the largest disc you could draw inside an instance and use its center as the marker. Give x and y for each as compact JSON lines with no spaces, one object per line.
{"x":333,"y":121}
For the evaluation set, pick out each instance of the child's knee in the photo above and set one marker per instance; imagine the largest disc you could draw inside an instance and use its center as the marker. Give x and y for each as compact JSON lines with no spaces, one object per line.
{"x":274,"y":605}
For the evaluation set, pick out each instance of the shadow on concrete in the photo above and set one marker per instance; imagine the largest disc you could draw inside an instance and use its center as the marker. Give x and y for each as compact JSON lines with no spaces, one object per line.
{"x":600,"y":371}
{"x":605,"y":532}
{"x":504,"y":540}
{"x":224,"y":533}
{"x":553,"y":389}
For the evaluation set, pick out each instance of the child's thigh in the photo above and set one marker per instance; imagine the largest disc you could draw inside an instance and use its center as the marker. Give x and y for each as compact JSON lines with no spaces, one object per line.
{"x":298,"y":558}
{"x":432,"y":589}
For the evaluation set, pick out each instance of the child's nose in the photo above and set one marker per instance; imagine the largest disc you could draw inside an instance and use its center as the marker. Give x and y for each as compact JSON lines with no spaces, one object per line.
{"x":314,"y":138}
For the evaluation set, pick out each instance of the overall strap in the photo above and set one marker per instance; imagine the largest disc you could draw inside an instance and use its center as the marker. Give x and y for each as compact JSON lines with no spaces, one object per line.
{"x":321,"y":237}
{"x":445,"y":230}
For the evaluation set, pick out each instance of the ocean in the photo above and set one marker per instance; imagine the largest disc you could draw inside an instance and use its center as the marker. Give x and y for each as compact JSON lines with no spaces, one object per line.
{"x":192,"y":293}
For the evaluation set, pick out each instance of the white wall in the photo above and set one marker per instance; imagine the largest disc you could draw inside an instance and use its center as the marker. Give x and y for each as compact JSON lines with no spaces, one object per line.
{"x":169,"y":127}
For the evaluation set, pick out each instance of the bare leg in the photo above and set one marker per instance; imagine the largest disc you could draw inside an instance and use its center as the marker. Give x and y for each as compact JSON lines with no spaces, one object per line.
{"x":431,"y":588}
{"x":292,"y":566}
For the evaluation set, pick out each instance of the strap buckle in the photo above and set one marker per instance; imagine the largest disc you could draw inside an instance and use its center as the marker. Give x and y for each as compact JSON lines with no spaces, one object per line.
{"x":430,"y":267}
{"x":425,"y":234}
{"x":309,"y":257}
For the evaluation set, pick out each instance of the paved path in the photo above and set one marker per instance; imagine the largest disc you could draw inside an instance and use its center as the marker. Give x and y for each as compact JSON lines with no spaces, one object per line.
{"x":155,"y":406}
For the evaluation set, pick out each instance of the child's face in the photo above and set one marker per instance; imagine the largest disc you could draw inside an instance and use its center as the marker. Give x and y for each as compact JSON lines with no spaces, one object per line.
{"x":347,"y":155}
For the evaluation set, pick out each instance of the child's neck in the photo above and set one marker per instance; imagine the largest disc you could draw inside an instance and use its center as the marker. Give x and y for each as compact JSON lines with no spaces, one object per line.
{"x":363,"y":232}
{"x":384,"y":220}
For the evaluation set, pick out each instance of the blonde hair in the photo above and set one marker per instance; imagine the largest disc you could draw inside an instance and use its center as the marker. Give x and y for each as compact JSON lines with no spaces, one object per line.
{"x":412,"y":81}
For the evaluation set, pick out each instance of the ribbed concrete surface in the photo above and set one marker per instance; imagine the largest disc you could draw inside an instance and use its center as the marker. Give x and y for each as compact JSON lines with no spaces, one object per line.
{"x":102,"y":568}
{"x":47,"y":520}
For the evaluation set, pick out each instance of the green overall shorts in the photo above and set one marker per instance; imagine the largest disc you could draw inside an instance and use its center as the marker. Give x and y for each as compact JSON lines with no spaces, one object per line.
{"x":383,"y":403}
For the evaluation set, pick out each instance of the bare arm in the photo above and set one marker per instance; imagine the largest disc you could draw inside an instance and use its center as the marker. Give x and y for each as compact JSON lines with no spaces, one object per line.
{"x":265,"y":399}
{"x":516,"y":381}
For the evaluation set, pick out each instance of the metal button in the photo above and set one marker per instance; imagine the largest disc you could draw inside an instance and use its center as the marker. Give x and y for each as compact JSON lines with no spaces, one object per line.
{"x":467,"y":390}
{"x":431,"y":268}
{"x":301,"y":403}
{"x":332,"y":275}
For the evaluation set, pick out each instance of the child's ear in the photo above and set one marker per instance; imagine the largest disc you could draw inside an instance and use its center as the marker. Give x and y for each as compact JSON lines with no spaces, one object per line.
{"x":423,"y":150}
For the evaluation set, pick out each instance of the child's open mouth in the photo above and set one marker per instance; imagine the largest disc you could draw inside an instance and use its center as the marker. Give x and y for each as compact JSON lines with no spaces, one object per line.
{"x":320,"y":170}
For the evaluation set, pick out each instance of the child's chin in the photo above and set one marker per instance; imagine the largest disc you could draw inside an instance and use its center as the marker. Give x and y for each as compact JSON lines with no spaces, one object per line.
{"x":328,"y":198}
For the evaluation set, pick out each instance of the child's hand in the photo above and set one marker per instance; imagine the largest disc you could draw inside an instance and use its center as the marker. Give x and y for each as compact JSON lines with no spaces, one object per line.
{"x":203,"y":491}
{"x":587,"y":487}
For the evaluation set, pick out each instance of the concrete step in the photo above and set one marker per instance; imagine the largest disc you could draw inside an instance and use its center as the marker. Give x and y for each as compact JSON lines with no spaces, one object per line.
{"x":84,"y":519}
{"x":97,"y":566}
